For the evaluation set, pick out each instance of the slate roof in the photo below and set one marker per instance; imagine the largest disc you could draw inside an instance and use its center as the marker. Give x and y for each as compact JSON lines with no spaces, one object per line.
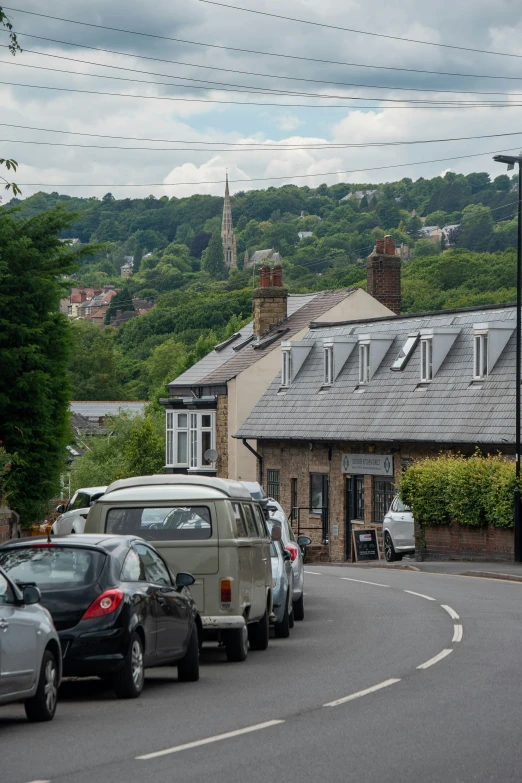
{"x":218,"y":367}
{"x":395,"y":406}
{"x":97,"y":409}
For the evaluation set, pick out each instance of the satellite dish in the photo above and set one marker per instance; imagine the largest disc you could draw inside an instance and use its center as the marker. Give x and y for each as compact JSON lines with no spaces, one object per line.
{"x":211,"y":455}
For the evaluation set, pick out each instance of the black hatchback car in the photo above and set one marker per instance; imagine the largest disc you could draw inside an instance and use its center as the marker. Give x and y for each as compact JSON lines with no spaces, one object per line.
{"x":115,"y":604}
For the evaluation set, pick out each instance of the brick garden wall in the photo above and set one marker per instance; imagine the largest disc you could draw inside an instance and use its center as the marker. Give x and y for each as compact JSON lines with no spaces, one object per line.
{"x":465,"y":543}
{"x":5,"y":523}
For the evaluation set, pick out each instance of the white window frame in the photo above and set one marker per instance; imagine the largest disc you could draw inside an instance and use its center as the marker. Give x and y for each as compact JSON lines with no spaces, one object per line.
{"x":364,"y":363}
{"x":480,"y":356}
{"x":286,"y":367}
{"x":328,"y":365}
{"x":187,"y":426}
{"x":426,"y":368}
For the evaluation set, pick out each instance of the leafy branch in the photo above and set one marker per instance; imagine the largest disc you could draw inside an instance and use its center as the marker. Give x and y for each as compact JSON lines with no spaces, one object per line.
{"x":14,"y":47}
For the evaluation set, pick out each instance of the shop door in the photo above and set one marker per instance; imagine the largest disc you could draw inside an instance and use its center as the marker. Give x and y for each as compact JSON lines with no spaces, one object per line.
{"x":354,"y":504}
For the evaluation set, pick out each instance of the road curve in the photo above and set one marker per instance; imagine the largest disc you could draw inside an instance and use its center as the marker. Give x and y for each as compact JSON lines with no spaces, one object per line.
{"x":393,"y":675}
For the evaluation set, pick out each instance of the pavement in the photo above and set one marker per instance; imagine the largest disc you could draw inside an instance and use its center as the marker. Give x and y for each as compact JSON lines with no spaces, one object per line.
{"x":394,"y":675}
{"x":494,"y":570}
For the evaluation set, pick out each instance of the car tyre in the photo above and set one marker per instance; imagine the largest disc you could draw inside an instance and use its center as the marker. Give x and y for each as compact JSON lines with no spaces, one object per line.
{"x":42,"y":706}
{"x":291,"y":619}
{"x":236,"y":644}
{"x":389,"y":551}
{"x":259,"y":633}
{"x":299,"y":608}
{"x":188,"y":667}
{"x":127,"y":683}
{"x":282,"y":629}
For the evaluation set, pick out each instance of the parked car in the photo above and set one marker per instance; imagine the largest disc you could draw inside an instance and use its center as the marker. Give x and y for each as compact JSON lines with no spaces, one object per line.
{"x":211,"y":527}
{"x":74,"y":513}
{"x":30,"y":653}
{"x":398,"y":530}
{"x":115,"y":604}
{"x":294,"y":547}
{"x":282,"y":576}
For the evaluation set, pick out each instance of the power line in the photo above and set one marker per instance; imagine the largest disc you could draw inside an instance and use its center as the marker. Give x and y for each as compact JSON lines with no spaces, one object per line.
{"x":264,"y":13}
{"x":272,"y":146}
{"x":264,"y":179}
{"x":265,"y":54}
{"x":228,"y":84}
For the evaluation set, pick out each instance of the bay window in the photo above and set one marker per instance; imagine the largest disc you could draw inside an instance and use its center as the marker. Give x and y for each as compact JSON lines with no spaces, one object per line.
{"x":190,"y":434}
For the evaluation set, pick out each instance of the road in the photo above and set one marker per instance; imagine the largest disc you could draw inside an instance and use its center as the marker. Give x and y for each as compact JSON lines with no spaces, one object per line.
{"x":456,"y":720}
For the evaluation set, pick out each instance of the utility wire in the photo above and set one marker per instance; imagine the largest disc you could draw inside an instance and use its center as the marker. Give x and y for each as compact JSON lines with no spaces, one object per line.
{"x":265,"y":179}
{"x":336,"y":27}
{"x":264,"y":13}
{"x":266,"y":54}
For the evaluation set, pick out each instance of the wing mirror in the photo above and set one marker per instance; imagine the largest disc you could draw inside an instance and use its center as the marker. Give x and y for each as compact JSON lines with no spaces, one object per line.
{"x":184,"y":580}
{"x":271,"y":508}
{"x":31,"y":595}
{"x":61,"y":509}
{"x":276,"y":533}
{"x":304,"y":540}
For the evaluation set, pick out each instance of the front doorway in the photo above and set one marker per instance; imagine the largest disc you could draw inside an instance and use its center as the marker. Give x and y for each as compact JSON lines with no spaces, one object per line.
{"x":354,"y":504}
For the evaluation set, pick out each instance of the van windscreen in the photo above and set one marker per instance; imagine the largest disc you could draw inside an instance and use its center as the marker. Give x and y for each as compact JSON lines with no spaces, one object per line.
{"x":182,"y":523}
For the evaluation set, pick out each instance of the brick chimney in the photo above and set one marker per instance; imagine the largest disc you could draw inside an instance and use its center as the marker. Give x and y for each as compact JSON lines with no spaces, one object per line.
{"x":269,"y":300}
{"x":383,"y":273}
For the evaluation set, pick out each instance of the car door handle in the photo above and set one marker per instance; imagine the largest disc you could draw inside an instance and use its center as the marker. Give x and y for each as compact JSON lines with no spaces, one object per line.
{"x":264,"y":559}
{"x":4,"y":625}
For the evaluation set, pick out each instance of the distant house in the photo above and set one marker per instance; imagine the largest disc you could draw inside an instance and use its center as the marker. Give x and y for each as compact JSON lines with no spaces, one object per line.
{"x":126,"y":270}
{"x":262,"y":257}
{"x":96,"y":412}
{"x":449,"y":231}
{"x":69,"y":241}
{"x":304,"y":234}
{"x":433,"y":233}
{"x":360,"y":194}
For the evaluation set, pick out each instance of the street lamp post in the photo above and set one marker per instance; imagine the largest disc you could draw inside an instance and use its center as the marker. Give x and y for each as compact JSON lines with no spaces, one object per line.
{"x":511,"y":160}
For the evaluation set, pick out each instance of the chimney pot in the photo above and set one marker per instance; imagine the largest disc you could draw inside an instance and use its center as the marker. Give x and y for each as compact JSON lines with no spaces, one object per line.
{"x":379,"y":246}
{"x":265,"y":277}
{"x":277,"y":277}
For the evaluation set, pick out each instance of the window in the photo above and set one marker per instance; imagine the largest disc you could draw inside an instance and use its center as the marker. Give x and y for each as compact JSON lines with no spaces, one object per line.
{"x":251,"y":526}
{"x":261,"y":522}
{"x":189,"y":436}
{"x":6,"y":592}
{"x":80,"y":500}
{"x":328,"y":365}
{"x":318,"y":492}
{"x":384,"y":492}
{"x":364,"y":363}
{"x":240,"y":521}
{"x":154,"y":568}
{"x":53,"y":567}
{"x":272,"y":484}
{"x":286,"y":367}
{"x":180,"y":523}
{"x":405,"y":353}
{"x":426,"y":360}
{"x":293,"y":500}
{"x":131,"y":571}
{"x":358,"y":499}
{"x":480,"y":359}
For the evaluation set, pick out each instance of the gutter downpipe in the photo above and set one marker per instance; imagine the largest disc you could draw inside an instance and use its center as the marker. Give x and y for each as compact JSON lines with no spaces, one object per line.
{"x":257,"y":456}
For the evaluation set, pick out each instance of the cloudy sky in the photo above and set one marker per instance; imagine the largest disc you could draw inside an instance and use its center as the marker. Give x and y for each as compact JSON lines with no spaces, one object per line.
{"x":197,"y":97}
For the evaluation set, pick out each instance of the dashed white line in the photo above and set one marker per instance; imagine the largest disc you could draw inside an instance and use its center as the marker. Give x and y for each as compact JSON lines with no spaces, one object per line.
{"x":39,"y":781}
{"x":358,"y":695}
{"x":217,"y":738}
{"x":452,"y":613}
{"x":436,"y":659}
{"x":362,"y":581}
{"x":457,"y":633}
{"x":421,"y":595}
{"x":316,"y":573}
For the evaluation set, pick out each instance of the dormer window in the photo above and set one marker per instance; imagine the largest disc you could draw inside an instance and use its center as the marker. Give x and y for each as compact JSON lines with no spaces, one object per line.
{"x":286,"y":367}
{"x":364,"y":363}
{"x":328,"y":365}
{"x":426,"y":360}
{"x":480,"y":356}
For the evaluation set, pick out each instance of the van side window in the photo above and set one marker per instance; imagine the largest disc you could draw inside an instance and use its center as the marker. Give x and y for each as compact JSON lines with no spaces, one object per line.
{"x":240,"y":521}
{"x":250,"y":522}
{"x":261,"y":522}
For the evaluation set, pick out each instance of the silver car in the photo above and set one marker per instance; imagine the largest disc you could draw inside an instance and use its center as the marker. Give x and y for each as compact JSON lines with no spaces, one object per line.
{"x":74,"y":513}
{"x":293,"y":546}
{"x":398,"y":530}
{"x":282,"y":585}
{"x":30,"y":652}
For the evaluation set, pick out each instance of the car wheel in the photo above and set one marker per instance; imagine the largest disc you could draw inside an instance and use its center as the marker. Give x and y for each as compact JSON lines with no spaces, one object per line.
{"x":128,"y":682}
{"x":236,"y":644}
{"x":299,"y":608}
{"x":389,"y":552}
{"x":282,"y":629}
{"x":188,"y":667}
{"x":42,"y":705}
{"x":291,"y":619}
{"x":259,"y":633}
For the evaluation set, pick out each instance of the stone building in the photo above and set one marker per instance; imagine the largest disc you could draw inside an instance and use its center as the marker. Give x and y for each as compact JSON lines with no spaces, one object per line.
{"x":227,"y":232}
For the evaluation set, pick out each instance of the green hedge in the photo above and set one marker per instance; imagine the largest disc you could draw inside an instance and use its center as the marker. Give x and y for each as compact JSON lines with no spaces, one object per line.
{"x":455,"y":490}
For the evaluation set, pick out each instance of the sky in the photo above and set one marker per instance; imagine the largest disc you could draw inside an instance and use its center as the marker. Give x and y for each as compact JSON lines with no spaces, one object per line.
{"x":192,"y":106}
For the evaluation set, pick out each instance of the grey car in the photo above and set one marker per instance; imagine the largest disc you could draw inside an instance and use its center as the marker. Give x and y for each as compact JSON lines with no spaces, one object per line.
{"x":282,"y":585}
{"x":30,"y":652}
{"x":293,"y":546}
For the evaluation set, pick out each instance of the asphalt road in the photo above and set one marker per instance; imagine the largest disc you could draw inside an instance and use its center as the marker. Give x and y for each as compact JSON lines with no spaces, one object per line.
{"x":456,"y":720}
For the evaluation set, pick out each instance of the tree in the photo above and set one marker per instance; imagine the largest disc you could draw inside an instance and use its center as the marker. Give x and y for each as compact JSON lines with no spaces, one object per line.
{"x":213,"y":258}
{"x":120,"y":301}
{"x":34,"y":355}
{"x":13,"y":47}
{"x":95,"y":349}
{"x":476,"y":229}
{"x":200,"y":243}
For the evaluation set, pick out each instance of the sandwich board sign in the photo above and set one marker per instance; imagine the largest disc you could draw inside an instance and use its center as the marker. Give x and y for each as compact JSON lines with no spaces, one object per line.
{"x":365,"y":546}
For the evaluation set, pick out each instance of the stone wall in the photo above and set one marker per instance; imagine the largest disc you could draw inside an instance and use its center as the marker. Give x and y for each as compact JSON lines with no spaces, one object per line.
{"x":5,"y":523}
{"x":456,"y":542}
{"x":222,"y":436}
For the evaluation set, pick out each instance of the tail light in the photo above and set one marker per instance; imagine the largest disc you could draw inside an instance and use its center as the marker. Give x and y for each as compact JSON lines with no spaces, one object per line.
{"x":293,"y":549}
{"x":106,"y":603}
{"x":226,"y":593}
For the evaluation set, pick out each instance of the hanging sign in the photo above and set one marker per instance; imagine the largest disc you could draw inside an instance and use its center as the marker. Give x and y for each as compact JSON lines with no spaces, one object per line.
{"x":367,"y":464}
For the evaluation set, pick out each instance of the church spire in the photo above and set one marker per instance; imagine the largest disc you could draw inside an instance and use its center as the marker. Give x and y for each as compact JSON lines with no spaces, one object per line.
{"x":227,"y":232}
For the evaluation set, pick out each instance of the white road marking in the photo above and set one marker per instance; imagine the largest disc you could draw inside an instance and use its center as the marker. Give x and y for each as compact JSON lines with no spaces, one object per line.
{"x":39,"y":781}
{"x":363,"y":581}
{"x":361,"y":693}
{"x":452,"y":613}
{"x":229,"y":734}
{"x":436,"y":659}
{"x":421,"y":595}
{"x":457,"y":634}
{"x":317,"y":573}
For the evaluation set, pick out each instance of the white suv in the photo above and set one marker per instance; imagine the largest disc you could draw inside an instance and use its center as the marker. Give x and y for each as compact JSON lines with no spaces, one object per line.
{"x":398,"y":529}
{"x":74,"y":513}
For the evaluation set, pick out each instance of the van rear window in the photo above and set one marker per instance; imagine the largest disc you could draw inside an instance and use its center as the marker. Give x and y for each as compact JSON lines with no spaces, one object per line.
{"x":182,"y":523}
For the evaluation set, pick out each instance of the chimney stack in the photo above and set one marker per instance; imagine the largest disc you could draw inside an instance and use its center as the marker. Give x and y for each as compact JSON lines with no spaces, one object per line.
{"x":269,"y":301}
{"x":383,"y":272}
